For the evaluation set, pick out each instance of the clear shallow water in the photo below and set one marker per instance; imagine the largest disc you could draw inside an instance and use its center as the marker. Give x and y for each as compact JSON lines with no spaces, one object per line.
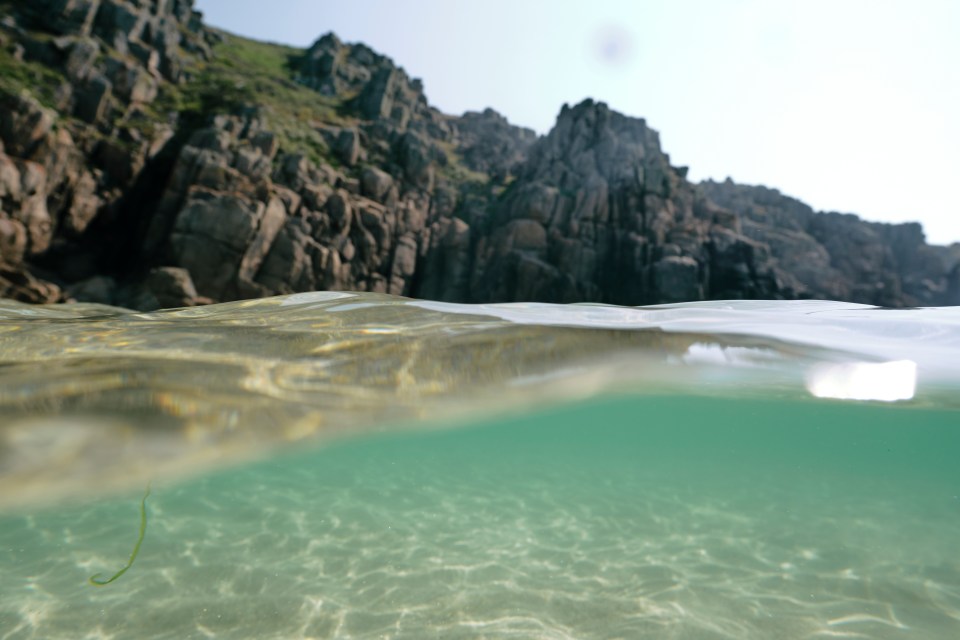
{"x":623,"y":517}
{"x":600,"y":483}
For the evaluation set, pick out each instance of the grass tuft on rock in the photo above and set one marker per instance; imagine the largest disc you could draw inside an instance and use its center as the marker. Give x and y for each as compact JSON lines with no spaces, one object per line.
{"x":244,"y":73}
{"x":17,"y":76}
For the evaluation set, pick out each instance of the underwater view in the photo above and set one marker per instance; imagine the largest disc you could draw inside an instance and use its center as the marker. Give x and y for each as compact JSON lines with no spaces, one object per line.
{"x":335,"y":465}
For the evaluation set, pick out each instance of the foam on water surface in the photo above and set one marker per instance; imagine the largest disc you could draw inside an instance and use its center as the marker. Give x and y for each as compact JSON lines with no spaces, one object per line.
{"x":665,"y":472}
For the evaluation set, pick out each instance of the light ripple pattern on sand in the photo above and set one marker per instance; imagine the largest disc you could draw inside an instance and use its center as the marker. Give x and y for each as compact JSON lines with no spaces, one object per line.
{"x":635,"y":517}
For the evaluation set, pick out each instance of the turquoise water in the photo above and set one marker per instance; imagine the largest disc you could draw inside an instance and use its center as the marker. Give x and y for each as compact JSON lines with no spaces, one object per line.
{"x":662,"y":517}
{"x":692,"y":489}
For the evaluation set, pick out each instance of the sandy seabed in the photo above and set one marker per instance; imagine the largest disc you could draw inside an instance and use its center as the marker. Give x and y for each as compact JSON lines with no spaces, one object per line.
{"x":537,"y":528}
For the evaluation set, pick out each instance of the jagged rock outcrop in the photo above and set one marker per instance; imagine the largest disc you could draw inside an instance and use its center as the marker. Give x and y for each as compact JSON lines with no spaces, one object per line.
{"x":247,"y":220}
{"x":598,"y":213}
{"x":132,"y":174}
{"x":80,"y":156}
{"x":489,"y":144}
{"x":376,"y":88}
{"x":150,"y":31}
{"x":838,"y":256}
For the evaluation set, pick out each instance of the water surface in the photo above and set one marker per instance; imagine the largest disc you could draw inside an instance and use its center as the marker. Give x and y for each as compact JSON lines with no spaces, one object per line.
{"x":370,"y":467}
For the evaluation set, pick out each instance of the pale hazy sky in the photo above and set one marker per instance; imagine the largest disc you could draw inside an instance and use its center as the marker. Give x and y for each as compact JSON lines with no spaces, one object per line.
{"x":849,"y":105}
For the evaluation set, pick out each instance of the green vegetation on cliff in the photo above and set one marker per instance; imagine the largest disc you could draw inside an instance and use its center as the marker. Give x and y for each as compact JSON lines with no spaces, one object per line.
{"x":242,"y":73}
{"x":17,"y":76}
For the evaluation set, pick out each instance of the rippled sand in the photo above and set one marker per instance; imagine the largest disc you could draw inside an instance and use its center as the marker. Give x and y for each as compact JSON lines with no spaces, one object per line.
{"x":622,"y":518}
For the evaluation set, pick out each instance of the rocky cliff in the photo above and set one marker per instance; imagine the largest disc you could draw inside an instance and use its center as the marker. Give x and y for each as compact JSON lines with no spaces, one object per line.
{"x":837,"y":256}
{"x":150,"y":161}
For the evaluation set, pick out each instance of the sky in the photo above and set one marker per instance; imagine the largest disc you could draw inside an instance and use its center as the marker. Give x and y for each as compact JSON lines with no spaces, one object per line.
{"x":848,"y":105}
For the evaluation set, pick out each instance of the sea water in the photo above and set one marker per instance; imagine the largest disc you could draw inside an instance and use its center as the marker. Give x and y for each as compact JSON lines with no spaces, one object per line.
{"x":357,"y":466}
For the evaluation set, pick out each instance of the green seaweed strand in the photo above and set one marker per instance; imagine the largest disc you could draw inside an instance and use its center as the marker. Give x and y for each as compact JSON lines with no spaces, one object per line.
{"x":136,"y":549}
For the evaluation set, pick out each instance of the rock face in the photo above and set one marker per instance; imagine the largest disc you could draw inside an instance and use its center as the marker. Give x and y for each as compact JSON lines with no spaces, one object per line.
{"x":71,"y":164}
{"x":149,"y":161}
{"x":598,"y":213}
{"x":150,"y":31}
{"x":491,"y":145}
{"x":840,"y":257}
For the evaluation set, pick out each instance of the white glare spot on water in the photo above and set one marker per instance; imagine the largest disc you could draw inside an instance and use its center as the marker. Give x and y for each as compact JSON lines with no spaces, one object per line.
{"x":884,"y":381}
{"x":701,"y":353}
